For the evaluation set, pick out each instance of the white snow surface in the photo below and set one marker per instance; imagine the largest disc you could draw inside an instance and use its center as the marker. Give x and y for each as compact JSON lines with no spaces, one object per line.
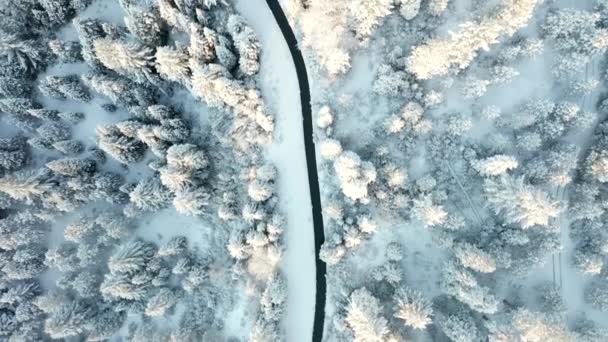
{"x":279,"y":85}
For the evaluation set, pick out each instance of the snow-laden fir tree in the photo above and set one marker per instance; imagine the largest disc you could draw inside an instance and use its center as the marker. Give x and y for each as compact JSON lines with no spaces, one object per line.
{"x":459,"y":327}
{"x":364,"y":317}
{"x":537,"y":327}
{"x":150,"y":195}
{"x":172,"y":64}
{"x":413,"y":308}
{"x":192,"y":202}
{"x":24,"y":186}
{"x":430,"y":214}
{"x":519,"y":202}
{"x":126,"y":150}
{"x":146,"y":25}
{"x":409,"y":9}
{"x":186,"y":164}
{"x":354,"y":175}
{"x":131,"y":257}
{"x":64,"y":87}
{"x":125,"y":58}
{"x":474,"y":258}
{"x":596,"y":294}
{"x":176,"y":246}
{"x":246,"y":43}
{"x":161,"y":302}
{"x":72,"y":166}
{"x":437,"y":56}
{"x":70,"y":319}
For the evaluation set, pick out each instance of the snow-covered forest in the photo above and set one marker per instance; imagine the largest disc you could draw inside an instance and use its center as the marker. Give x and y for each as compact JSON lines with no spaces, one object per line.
{"x":463,"y":161}
{"x":138,"y":198}
{"x":155,"y":175}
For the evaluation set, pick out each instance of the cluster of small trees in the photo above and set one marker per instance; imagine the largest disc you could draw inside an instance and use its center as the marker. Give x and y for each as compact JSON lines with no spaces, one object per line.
{"x":352,"y":24}
{"x":438,"y":56}
{"x":578,"y":36}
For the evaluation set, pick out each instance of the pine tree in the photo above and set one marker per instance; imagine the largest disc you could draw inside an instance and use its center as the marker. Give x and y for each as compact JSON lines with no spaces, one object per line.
{"x":437,"y":56}
{"x":437,"y":7}
{"x":79,"y":230}
{"x":124,"y":149}
{"x":66,"y":51}
{"x":24,"y":51}
{"x":364,"y":317}
{"x":598,"y":165}
{"x":521,"y":203}
{"x":131,"y":257}
{"x":125,"y":58}
{"x":186,"y":164}
{"x":173,"y":64}
{"x":576,"y":31}
{"x":69,"y":319}
{"x":461,"y":284}
{"x":174,"y":247}
{"x":172,"y":130}
{"x":366,"y":15}
{"x":459,"y":327}
{"x":202,"y":43}
{"x":596,"y":294}
{"x":247,"y":44}
{"x":146,"y":25}
{"x":215,"y":86}
{"x":13,"y":154}
{"x":63,"y":257}
{"x":224,"y":54}
{"x":69,"y":147}
{"x":274,"y":298}
{"x":72,"y":166}
{"x":260,"y":191}
{"x":150,"y":194}
{"x":161,"y":302}
{"x":415,"y":310}
{"x":409,"y":8}
{"x":474,"y":258}
{"x":105,"y":324}
{"x":354,"y":175}
{"x":191,"y":202}
{"x":24,"y":186}
{"x":537,"y":327}
{"x":430,"y":214}
{"x":64,"y":87}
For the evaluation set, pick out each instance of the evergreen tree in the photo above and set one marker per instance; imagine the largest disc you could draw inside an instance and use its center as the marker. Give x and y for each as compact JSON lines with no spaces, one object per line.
{"x":24,"y":186}
{"x":69,"y":147}
{"x":159,"y":303}
{"x":124,"y":149}
{"x":146,"y":25}
{"x":69,"y":319}
{"x":131,"y":257}
{"x":413,"y":308}
{"x":125,"y":58}
{"x":66,"y":51}
{"x":72,"y":166}
{"x":150,"y":194}
{"x":247,"y":44}
{"x":364,"y":317}
{"x":172,"y":64}
{"x":24,"y":51}
{"x":521,"y":203}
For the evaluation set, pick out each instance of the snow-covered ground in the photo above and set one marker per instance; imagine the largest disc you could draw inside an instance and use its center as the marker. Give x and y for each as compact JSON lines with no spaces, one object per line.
{"x":279,"y":86}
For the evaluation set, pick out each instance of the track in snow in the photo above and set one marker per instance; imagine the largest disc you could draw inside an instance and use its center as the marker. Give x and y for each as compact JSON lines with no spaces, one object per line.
{"x":311,"y":162}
